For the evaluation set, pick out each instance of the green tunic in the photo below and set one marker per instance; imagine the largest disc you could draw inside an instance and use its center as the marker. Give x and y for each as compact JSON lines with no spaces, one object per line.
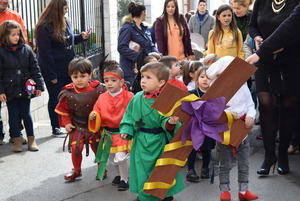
{"x":146,"y":147}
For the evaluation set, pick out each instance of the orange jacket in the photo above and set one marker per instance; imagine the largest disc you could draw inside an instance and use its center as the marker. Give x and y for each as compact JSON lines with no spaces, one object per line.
{"x":9,"y":14}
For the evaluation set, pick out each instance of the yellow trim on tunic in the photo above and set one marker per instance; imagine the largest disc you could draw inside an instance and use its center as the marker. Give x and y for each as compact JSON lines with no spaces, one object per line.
{"x":61,"y":113}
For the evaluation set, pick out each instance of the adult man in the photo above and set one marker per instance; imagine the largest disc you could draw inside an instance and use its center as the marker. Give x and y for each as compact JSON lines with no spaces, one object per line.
{"x":8,"y":14}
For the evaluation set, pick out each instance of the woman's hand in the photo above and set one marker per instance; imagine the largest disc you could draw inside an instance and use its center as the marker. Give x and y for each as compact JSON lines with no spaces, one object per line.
{"x":69,"y":127}
{"x":258,"y":40}
{"x":85,"y":35}
{"x":173,"y":120}
{"x":2,"y":98}
{"x":53,"y":81}
{"x":252,"y":59}
{"x":92,"y":116}
{"x":124,"y":136}
{"x":38,"y":92}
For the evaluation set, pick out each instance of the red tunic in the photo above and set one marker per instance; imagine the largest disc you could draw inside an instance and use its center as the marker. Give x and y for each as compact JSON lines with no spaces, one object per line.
{"x":111,"y":109}
{"x":178,"y":83}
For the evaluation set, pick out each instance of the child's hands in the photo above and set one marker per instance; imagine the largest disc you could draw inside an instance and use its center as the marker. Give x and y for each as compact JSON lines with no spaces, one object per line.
{"x":173,"y":120}
{"x":69,"y":127}
{"x":2,"y":97}
{"x":124,"y":136}
{"x":92,"y":116}
{"x":38,"y":92}
{"x":235,"y":115}
{"x":249,"y":122}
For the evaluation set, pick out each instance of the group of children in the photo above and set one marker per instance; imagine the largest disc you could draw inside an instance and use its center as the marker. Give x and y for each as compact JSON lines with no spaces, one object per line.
{"x":115,"y":122}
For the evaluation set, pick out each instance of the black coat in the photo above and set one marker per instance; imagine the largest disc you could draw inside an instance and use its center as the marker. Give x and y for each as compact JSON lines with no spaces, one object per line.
{"x":16,"y":67}
{"x":53,"y":56}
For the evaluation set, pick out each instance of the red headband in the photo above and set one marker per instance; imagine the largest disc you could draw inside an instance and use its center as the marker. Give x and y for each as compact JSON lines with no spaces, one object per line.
{"x":113,"y":74}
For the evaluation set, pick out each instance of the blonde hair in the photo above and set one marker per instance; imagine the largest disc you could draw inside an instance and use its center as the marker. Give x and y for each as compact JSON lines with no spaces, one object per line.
{"x":245,"y":3}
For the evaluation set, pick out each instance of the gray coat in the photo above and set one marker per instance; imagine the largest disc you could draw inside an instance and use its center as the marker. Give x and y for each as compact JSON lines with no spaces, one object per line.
{"x":208,"y":24}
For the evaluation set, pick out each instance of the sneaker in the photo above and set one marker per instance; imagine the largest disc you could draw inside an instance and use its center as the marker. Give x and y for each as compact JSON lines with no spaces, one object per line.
{"x":123,"y":186}
{"x":58,"y":133}
{"x":116,"y":181}
{"x":247,"y":196}
{"x":192,"y":176}
{"x":168,"y":198}
{"x":225,"y":196}
{"x":204,"y":173}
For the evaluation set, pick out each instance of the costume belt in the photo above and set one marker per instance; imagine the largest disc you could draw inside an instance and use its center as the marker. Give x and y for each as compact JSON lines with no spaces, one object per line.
{"x":152,"y":130}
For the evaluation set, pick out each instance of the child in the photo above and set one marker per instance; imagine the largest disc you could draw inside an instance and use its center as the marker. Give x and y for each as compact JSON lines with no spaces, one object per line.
{"x":109,"y":110}
{"x":189,"y":73}
{"x":240,"y":106}
{"x":225,"y":39}
{"x":18,"y":70}
{"x":175,"y":71}
{"x":76,"y":101}
{"x":149,"y":130}
{"x":209,"y":144}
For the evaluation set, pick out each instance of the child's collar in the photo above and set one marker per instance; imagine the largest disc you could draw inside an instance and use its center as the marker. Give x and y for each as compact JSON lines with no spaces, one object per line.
{"x":153,"y":94}
{"x":116,"y":93}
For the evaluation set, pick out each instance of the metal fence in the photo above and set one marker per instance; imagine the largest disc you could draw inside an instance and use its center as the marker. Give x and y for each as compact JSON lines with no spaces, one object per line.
{"x":84,"y":15}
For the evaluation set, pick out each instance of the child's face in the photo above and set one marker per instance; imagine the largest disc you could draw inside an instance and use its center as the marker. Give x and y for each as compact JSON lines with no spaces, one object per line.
{"x":203,"y":81}
{"x":225,"y":18}
{"x":150,"y":82}
{"x":175,"y":70}
{"x":14,"y":36}
{"x":112,"y":83}
{"x":81,"y":80}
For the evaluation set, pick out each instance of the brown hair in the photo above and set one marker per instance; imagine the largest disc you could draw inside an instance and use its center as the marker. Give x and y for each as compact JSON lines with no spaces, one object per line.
{"x":113,"y":67}
{"x":161,"y":71}
{"x":245,"y":3}
{"x":80,"y":65}
{"x":168,"y":61}
{"x":198,"y":73}
{"x":189,"y":67}
{"x":176,"y":17}
{"x":136,"y":8}
{"x":54,"y":14}
{"x":218,"y":31}
{"x":5,"y":29}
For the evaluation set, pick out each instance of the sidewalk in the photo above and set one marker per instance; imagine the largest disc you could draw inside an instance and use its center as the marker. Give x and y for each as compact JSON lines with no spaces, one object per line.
{"x":38,"y":176}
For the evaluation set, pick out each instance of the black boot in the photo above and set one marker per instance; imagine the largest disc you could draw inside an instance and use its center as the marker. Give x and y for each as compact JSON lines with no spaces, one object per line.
{"x":204,"y":173}
{"x":192,"y":176}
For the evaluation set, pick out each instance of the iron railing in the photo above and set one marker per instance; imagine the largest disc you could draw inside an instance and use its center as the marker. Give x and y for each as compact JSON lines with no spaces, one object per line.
{"x":84,"y":15}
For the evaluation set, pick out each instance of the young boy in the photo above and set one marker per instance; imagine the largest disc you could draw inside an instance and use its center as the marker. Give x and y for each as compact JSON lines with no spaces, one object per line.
{"x":175,"y":71}
{"x":149,"y":130}
{"x":240,"y":106}
{"x":109,"y":110}
{"x":76,"y":101}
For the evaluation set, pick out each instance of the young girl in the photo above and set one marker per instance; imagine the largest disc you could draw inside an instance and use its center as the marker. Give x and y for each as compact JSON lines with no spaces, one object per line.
{"x":189,"y":69}
{"x":209,"y":144}
{"x":18,"y":71}
{"x":107,"y":113}
{"x":225,"y":39}
{"x":149,"y":130}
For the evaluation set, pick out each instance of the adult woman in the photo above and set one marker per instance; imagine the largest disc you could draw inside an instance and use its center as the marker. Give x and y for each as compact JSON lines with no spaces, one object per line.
{"x":242,"y":15}
{"x":55,"y":40}
{"x":202,"y":22}
{"x":134,"y":30}
{"x":172,"y":33}
{"x":276,"y":81}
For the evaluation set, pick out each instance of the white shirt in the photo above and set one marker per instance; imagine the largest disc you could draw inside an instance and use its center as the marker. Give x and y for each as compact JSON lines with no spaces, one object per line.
{"x":241,"y":103}
{"x":191,"y":85}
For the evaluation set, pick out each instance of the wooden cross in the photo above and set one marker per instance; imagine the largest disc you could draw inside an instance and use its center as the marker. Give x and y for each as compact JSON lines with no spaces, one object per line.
{"x":227,"y":84}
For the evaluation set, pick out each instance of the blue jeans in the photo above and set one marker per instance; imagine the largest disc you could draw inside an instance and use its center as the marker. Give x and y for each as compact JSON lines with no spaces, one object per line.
{"x":53,"y":91}
{"x":18,"y":110}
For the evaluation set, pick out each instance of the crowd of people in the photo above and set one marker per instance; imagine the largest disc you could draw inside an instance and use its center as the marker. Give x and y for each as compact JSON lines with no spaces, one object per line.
{"x":112,"y":114}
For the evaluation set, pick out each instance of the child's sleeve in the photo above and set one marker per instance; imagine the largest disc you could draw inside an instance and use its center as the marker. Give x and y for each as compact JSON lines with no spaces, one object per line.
{"x":251,"y":112}
{"x":35,"y":72}
{"x":210,"y":44}
{"x":64,"y":113}
{"x":127,"y":122}
{"x":240,"y":45}
{"x":170,"y":129}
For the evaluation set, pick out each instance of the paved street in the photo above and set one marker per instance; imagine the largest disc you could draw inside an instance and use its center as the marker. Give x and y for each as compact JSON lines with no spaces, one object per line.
{"x":38,"y":176}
